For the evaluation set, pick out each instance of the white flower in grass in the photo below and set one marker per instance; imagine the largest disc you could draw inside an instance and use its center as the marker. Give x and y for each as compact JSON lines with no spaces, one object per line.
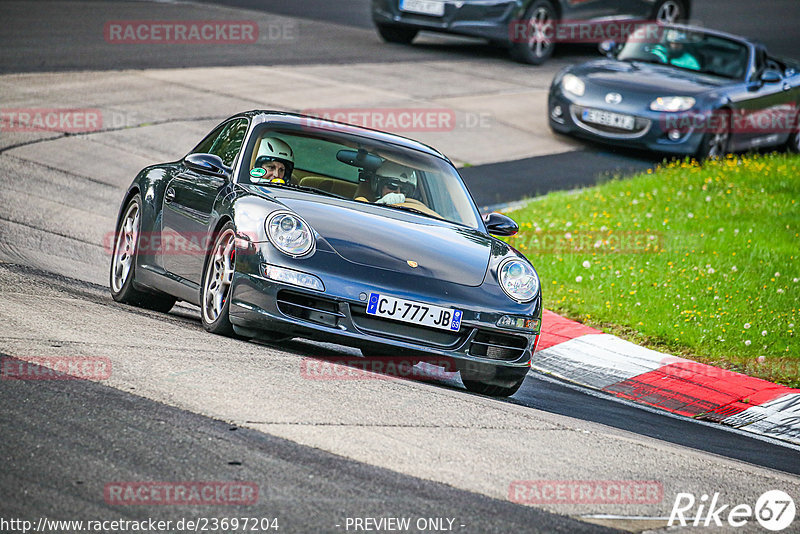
{"x":579,"y":278}
{"x":761,"y":359}
{"x":734,"y":269}
{"x":747,"y":342}
{"x":746,"y":326}
{"x":690,"y":215}
{"x":708,"y":199}
{"x":780,"y":290}
{"x":777,"y":275}
{"x":587,"y":264}
{"x":711,"y":270}
{"x":763,"y":332}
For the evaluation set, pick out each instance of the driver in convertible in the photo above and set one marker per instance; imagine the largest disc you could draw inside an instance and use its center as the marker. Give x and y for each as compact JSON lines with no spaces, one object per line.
{"x":674,"y":52}
{"x":276,"y":158}
{"x":393,"y":184}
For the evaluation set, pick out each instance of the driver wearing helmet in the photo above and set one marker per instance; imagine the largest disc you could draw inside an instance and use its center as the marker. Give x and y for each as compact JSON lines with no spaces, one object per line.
{"x":674,"y":52}
{"x":274,"y":162}
{"x":393,"y":184}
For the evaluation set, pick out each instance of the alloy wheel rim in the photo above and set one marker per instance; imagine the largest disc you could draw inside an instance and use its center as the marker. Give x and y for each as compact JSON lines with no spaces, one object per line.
{"x":125,"y":247}
{"x":669,"y":12}
{"x":540,"y":24}
{"x":219,"y":276}
{"x":717,"y":145}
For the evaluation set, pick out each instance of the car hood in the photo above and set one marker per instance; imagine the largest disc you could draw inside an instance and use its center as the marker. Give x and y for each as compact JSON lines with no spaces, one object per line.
{"x":389,"y":239}
{"x":646,"y":79}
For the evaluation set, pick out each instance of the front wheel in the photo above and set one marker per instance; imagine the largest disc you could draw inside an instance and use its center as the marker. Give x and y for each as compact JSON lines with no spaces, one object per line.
{"x":123,"y":263}
{"x":396,"y":34}
{"x":535,"y":41}
{"x":215,"y":293}
{"x":714,"y":144}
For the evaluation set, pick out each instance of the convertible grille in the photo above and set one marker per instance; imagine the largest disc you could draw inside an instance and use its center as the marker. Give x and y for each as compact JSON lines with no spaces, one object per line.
{"x":403,"y":331}
{"x":309,"y":308}
{"x":498,"y":346}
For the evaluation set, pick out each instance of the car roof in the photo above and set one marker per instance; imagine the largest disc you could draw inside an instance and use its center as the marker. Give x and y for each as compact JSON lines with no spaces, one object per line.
{"x":321,"y":124}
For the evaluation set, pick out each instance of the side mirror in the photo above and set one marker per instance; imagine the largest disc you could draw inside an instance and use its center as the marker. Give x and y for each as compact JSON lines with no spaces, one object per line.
{"x":771,"y":76}
{"x":207,"y":164}
{"x":608,"y":48}
{"x":500,"y":225}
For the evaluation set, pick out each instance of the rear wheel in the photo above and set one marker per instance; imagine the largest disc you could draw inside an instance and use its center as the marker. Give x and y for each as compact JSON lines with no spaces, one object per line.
{"x":215,"y":293}
{"x":669,"y":11}
{"x":123,"y":263}
{"x":396,"y":34}
{"x":536,"y":43}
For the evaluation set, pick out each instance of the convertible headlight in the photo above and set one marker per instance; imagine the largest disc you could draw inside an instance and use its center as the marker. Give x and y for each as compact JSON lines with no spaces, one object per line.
{"x":572,"y":84}
{"x":519,"y":280}
{"x":672,"y":103}
{"x":290,"y":234}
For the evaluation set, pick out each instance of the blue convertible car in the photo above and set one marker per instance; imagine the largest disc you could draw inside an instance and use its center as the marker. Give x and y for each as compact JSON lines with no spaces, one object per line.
{"x":681,"y":90}
{"x":280,"y":225}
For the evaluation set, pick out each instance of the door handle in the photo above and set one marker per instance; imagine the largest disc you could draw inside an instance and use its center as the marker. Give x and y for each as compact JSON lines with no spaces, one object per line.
{"x":169,"y":196}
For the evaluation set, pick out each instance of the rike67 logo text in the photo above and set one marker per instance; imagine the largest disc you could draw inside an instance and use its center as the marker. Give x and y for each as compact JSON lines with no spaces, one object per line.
{"x":774,"y":510}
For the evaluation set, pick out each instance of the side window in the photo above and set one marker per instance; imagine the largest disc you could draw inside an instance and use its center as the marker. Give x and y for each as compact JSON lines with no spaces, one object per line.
{"x":225,"y":141}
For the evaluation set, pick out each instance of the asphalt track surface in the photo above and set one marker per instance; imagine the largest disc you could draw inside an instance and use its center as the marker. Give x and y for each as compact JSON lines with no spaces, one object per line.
{"x":63,"y":440}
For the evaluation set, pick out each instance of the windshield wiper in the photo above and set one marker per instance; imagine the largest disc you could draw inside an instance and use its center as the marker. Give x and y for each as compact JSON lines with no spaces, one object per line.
{"x":412,"y":210}
{"x":305,"y":188}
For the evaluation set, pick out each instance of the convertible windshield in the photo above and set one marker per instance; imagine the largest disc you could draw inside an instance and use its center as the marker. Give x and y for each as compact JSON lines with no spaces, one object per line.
{"x":359,"y":169}
{"x":689,"y":50}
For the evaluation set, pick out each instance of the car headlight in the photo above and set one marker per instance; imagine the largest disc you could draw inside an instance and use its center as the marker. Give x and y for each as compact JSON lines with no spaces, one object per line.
{"x":519,"y":280}
{"x":672,"y":103}
{"x":572,"y":84}
{"x":290,"y":234}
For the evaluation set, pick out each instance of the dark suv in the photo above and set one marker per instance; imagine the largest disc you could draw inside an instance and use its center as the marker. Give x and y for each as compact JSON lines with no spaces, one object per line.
{"x":529,"y":28}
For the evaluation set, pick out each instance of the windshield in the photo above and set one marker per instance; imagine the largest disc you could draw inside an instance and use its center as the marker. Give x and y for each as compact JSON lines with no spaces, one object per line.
{"x":359,"y":169}
{"x":694,"y":51}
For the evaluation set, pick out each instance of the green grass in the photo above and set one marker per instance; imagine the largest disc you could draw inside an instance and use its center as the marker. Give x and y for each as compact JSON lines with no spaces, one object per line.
{"x":698,"y":261}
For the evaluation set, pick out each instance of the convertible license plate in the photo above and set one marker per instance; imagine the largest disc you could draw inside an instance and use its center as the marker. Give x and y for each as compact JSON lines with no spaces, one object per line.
{"x":414,"y":312}
{"x":424,"y":7}
{"x":607,"y":118}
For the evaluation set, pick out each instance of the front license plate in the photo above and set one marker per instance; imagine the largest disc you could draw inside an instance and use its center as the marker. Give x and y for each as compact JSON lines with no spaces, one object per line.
{"x":424,"y":7}
{"x":414,"y":312}
{"x":607,"y":118}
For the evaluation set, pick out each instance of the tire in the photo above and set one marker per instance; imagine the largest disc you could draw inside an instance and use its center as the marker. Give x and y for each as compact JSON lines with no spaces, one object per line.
{"x":793,"y":143}
{"x":536,"y":48}
{"x":482,"y":388}
{"x":122,"y":273}
{"x":215,"y":292}
{"x":715,"y":144}
{"x":669,"y":11}
{"x":396,"y":34}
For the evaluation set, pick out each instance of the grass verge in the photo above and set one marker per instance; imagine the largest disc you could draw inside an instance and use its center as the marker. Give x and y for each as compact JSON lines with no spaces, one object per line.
{"x":699,"y":261}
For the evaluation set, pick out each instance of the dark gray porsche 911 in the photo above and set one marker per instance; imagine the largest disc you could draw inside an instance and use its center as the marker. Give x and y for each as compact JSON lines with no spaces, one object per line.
{"x":681,"y":90}
{"x":529,"y":28}
{"x":280,"y":225}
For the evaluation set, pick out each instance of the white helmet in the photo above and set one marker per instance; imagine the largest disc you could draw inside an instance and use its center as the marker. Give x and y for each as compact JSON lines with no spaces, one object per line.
{"x":394,"y":176}
{"x":273,"y":149}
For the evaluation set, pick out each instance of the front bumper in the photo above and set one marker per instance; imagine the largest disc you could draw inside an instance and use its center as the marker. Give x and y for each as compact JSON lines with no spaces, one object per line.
{"x":499,"y":356}
{"x":651,"y":129}
{"x":489,"y":19}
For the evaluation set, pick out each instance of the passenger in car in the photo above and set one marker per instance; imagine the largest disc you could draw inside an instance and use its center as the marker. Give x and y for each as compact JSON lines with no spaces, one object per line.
{"x":392,"y":184}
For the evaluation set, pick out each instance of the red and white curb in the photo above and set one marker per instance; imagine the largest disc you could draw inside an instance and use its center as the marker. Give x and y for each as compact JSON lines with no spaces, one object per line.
{"x":588,"y":357}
